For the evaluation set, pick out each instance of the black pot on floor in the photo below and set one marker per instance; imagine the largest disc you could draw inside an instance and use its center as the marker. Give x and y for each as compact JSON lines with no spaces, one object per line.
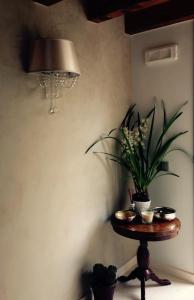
{"x":103,"y":292}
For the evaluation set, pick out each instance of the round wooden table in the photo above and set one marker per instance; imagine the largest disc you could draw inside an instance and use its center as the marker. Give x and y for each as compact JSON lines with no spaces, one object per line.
{"x":157,"y":231}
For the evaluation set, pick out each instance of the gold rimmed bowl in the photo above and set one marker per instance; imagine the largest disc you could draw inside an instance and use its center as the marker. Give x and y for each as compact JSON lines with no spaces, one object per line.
{"x":125,"y":215}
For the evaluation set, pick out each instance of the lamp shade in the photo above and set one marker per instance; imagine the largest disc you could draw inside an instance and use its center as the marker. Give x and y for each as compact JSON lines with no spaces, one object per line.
{"x":54,"y":55}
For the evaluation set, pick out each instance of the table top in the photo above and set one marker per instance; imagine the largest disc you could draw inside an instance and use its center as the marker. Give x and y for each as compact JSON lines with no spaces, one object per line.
{"x":159,"y":230}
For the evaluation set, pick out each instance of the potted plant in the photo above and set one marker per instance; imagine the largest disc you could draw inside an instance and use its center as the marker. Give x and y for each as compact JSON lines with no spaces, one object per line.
{"x":142,"y":148}
{"x":103,"y":282}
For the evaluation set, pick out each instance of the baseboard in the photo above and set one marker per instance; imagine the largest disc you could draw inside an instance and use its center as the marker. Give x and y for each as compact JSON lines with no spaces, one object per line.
{"x":123,"y":269}
{"x":83,"y":298}
{"x":127,"y":267}
{"x":178,"y":273}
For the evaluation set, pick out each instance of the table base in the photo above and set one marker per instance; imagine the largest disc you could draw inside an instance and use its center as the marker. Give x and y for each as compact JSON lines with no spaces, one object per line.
{"x":143,"y":272}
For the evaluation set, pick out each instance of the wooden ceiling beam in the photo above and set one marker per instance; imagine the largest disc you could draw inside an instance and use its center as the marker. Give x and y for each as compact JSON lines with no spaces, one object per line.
{"x":158,"y":16}
{"x":47,"y":2}
{"x":140,"y":15}
{"x":102,"y":10}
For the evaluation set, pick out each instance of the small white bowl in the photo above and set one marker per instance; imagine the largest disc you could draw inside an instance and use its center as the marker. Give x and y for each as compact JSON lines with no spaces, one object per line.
{"x":170,"y":216}
{"x":125,"y":215}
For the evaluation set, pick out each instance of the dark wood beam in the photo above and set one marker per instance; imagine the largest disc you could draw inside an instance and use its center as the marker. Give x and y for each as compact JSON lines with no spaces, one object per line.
{"x":47,"y":2}
{"x":158,"y":16}
{"x":101,"y":10}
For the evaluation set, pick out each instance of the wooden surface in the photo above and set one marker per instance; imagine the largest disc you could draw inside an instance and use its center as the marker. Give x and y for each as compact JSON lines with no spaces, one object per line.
{"x":158,"y":16}
{"x":101,"y":10}
{"x":140,"y":15}
{"x":157,"y":231}
{"x":47,"y":2}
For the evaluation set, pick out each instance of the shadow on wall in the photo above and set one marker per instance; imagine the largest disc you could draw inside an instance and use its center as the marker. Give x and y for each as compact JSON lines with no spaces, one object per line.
{"x":85,"y":285}
{"x":100,"y":250}
{"x":118,"y":176}
{"x":102,"y":244}
{"x":26,"y":39}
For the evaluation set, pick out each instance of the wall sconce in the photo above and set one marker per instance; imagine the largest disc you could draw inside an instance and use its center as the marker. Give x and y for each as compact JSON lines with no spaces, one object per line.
{"x":55,"y":61}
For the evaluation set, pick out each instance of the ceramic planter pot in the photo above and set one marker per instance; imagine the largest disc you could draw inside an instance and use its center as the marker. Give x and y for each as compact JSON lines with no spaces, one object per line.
{"x":103,"y":292}
{"x":141,"y":206}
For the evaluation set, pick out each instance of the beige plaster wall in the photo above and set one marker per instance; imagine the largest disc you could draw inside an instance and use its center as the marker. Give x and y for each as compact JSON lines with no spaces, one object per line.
{"x":173,"y":82}
{"x":55,"y":200}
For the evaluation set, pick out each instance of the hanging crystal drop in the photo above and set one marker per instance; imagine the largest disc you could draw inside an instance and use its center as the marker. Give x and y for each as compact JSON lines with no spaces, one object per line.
{"x":53,"y":90}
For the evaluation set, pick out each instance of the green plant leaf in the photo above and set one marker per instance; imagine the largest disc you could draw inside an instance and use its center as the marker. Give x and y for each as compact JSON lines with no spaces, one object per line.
{"x":115,"y":157}
{"x":164,"y":115}
{"x":101,"y":139}
{"x":150,"y":134}
{"x":128,"y":116}
{"x":169,"y":123}
{"x":150,"y":112}
{"x":112,"y":130}
{"x":161,"y":152}
{"x":183,"y":151}
{"x":118,"y":162}
{"x":168,"y":173}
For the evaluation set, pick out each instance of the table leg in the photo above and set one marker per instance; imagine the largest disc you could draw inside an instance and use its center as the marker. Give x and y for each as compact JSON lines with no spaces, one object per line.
{"x":143,"y":256}
{"x":143,"y":272}
{"x":132,"y":275}
{"x":155,"y":278}
{"x":142,"y":288}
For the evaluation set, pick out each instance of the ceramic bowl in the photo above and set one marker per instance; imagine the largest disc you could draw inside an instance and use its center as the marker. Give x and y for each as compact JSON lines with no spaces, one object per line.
{"x":125,"y":215}
{"x":165,"y":213}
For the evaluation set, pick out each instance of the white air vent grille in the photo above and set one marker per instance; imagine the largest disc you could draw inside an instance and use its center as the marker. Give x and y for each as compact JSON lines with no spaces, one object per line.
{"x":161,"y":54}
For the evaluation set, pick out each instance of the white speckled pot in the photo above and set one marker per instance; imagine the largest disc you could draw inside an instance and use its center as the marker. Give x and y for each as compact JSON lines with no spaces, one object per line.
{"x":141,"y":206}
